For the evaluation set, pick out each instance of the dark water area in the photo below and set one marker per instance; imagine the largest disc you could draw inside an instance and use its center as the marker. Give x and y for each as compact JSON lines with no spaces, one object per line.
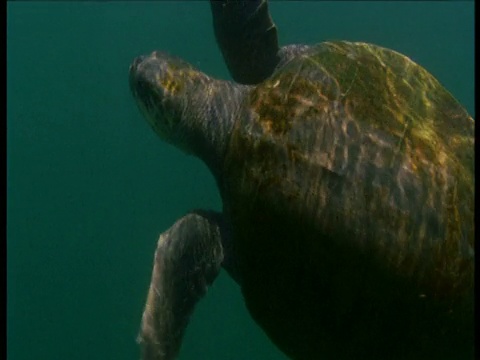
{"x":90,"y":186}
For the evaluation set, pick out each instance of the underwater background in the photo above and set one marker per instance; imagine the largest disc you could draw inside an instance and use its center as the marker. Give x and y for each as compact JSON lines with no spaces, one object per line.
{"x":90,"y":186}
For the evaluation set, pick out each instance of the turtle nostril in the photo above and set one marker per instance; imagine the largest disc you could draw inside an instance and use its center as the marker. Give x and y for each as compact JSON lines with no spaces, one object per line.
{"x":138,"y":60}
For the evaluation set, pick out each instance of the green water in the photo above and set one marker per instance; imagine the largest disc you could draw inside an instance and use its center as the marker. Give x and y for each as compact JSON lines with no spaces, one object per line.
{"x":90,"y":187}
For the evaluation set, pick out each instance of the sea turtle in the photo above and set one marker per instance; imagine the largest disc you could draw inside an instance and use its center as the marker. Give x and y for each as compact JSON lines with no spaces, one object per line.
{"x":346,"y":173}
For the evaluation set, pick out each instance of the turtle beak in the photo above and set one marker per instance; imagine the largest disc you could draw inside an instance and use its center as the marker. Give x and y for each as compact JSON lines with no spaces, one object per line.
{"x":143,"y":73}
{"x":134,"y":70}
{"x":146,"y":72}
{"x":149,"y":64}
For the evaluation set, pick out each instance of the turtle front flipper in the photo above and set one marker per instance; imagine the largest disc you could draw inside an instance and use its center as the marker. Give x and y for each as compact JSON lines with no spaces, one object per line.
{"x":187,"y":260}
{"x":247,"y":38}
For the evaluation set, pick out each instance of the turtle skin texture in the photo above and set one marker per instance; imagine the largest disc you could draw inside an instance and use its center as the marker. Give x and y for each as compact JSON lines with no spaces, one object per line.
{"x":349,"y":185}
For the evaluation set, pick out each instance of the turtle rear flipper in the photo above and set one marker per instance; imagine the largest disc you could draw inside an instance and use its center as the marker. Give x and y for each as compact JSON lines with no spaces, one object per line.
{"x":247,"y":38}
{"x":187,"y":260}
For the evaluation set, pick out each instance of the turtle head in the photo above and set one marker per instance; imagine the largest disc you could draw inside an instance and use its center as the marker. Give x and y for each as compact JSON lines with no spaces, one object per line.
{"x":184,"y":106}
{"x":164,"y":87}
